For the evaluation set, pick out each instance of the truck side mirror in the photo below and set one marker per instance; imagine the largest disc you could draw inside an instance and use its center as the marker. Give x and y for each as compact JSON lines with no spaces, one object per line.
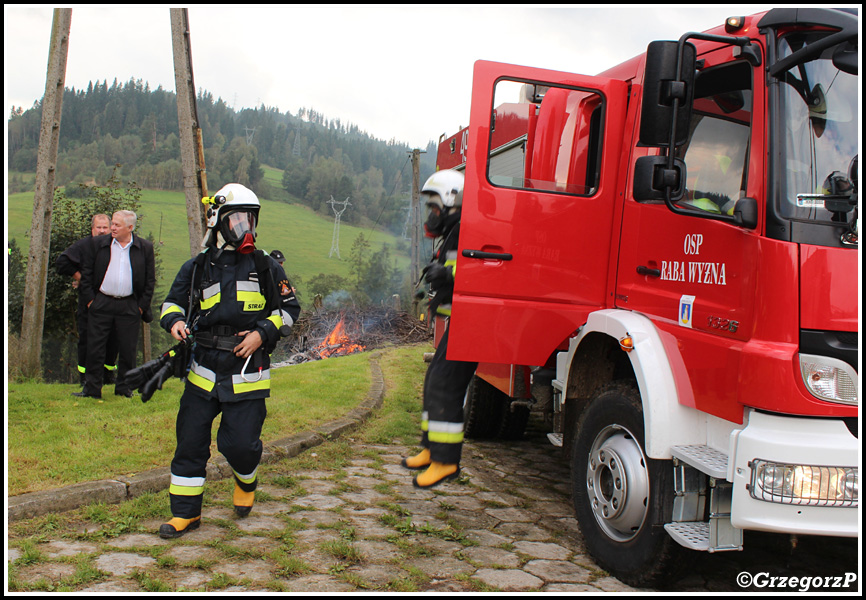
{"x":746,"y":213}
{"x":845,"y":58}
{"x":652,"y":178}
{"x":661,"y":86}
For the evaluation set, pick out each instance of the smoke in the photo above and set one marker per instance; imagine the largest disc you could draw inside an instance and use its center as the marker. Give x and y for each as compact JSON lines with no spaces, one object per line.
{"x":337,"y":300}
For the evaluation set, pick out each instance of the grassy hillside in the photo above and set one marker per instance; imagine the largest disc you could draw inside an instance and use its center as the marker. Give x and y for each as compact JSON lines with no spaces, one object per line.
{"x":301,"y":234}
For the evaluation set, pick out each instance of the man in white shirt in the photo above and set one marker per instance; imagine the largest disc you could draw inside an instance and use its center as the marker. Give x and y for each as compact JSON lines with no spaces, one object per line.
{"x":117,"y":286}
{"x":69,"y":263}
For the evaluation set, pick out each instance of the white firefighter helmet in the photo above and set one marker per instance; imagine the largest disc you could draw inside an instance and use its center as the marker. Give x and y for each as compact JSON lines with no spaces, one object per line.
{"x":232,"y":216}
{"x":444,"y":189}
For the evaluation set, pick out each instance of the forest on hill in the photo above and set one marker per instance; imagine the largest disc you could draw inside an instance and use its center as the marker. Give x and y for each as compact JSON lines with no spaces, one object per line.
{"x":135,"y":127}
{"x":120,"y":143}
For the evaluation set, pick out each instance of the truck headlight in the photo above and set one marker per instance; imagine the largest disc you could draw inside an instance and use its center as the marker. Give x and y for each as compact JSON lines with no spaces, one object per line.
{"x":829,"y":378}
{"x":804,"y":484}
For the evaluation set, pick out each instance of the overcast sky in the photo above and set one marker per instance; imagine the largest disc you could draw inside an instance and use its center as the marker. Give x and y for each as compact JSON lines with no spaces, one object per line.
{"x":402,"y":72}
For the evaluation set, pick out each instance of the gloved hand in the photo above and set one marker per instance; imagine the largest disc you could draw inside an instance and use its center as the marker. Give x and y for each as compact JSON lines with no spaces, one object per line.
{"x":437,"y":275}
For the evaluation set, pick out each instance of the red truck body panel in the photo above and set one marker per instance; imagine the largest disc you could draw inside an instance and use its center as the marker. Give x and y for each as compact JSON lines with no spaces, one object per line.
{"x":570,"y":249}
{"x":555,"y":278}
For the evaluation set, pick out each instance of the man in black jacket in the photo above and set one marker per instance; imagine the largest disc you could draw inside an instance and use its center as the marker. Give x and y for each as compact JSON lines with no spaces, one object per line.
{"x":117,"y":286}
{"x":69,"y":263}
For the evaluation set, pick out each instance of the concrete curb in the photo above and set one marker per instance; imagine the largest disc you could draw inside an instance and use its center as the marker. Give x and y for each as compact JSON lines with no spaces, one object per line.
{"x":119,"y":489}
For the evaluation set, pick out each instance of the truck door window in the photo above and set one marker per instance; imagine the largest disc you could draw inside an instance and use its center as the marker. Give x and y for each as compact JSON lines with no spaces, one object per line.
{"x":821,"y":127}
{"x":545,"y":137}
{"x":717,"y":151}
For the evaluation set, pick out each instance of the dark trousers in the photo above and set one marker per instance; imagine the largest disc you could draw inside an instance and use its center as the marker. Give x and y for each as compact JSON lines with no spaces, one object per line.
{"x":110,"y":347}
{"x":111,"y":317}
{"x":444,"y":392}
{"x":238,"y":439}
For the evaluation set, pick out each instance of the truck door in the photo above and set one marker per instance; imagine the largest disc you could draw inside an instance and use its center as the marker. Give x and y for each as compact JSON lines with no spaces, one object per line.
{"x":535,"y":243}
{"x":696,"y":277}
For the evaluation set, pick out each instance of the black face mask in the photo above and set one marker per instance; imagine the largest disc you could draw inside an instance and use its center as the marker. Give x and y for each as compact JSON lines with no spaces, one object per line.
{"x":441,"y":224}
{"x":434,"y":224}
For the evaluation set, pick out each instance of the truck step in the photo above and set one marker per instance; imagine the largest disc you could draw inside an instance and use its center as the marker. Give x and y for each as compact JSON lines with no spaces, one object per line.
{"x":555,"y":439}
{"x":703,"y":458}
{"x":694,"y":535}
{"x":704,"y":536}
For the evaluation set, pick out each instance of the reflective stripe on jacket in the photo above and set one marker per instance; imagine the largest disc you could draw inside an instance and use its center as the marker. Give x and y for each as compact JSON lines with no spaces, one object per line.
{"x":231,"y":296}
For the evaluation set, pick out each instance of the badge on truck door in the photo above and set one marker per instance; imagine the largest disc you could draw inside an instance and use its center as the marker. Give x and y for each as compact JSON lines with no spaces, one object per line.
{"x":687,"y":304}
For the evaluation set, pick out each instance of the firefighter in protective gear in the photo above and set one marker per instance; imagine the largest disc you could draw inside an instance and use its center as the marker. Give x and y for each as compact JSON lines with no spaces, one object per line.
{"x":236,"y":302}
{"x":446,"y":380}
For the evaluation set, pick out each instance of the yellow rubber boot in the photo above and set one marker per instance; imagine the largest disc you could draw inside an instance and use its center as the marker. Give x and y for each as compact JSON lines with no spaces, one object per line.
{"x":178,"y":526}
{"x":243,"y":501}
{"x":436,"y":474}
{"x":419,"y":461}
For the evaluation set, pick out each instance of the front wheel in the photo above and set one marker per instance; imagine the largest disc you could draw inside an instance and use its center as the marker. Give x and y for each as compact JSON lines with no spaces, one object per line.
{"x":513,"y":420}
{"x":481,"y":409}
{"x":622,"y":499}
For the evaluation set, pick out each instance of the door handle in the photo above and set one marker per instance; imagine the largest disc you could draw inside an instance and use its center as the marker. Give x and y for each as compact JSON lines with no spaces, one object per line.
{"x":649,"y":272}
{"x":487,"y":255}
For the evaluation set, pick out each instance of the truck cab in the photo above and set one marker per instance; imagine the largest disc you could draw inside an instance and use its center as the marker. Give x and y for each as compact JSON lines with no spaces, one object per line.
{"x":663,"y":259}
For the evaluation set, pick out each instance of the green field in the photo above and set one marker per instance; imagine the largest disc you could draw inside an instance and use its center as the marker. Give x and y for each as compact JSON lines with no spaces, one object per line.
{"x":301,"y":234}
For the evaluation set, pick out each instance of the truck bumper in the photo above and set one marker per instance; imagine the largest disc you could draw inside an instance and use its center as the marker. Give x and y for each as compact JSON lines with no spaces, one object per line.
{"x":795,"y":475}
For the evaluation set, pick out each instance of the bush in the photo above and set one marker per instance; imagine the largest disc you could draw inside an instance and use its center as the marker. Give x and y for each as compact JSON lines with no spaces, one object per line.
{"x":13,"y":355}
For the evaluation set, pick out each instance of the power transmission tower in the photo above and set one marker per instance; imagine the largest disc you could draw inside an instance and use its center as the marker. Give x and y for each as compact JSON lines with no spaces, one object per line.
{"x":407,"y":225}
{"x":250,"y":133}
{"x":335,"y":240}
{"x":33,"y":317}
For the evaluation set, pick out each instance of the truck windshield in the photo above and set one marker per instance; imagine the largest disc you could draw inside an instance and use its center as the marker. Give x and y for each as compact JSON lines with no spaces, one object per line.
{"x":819,"y":103}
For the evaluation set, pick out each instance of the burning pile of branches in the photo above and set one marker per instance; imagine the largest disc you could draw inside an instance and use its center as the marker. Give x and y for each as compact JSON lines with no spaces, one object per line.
{"x":324,"y":334}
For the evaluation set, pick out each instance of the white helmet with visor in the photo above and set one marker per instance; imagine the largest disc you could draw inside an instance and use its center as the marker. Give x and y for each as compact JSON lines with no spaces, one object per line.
{"x":444,"y":189}
{"x":232,"y":216}
{"x":443,"y":195}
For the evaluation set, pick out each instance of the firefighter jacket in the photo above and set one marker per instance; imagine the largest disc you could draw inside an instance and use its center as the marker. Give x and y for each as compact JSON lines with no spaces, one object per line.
{"x":70,"y":260}
{"x":231,"y":296}
{"x":446,"y":255}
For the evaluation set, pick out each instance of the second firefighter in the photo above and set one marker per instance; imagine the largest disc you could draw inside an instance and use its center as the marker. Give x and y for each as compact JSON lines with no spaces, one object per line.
{"x":446,"y":380}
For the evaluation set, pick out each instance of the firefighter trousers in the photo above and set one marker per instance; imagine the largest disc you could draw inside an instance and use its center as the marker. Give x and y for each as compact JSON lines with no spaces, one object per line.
{"x":238,"y":439}
{"x":444,"y":392}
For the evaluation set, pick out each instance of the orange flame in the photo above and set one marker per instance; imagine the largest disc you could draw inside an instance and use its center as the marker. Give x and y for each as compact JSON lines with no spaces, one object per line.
{"x":338,"y":343}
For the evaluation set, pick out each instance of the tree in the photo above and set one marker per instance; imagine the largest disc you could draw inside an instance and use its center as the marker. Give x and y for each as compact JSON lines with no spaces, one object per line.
{"x":324,"y":284}
{"x":325,"y":177}
{"x":17,"y":262}
{"x":296,"y":177}
{"x":358,"y":260}
{"x":381,"y":277}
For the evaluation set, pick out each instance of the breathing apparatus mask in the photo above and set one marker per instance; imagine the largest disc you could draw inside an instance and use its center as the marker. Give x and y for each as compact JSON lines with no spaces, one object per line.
{"x":232,"y":216}
{"x":238,"y":229}
{"x":440,"y":220}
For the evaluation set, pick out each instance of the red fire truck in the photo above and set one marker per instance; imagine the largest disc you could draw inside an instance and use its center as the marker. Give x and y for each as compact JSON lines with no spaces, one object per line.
{"x":663,"y":261}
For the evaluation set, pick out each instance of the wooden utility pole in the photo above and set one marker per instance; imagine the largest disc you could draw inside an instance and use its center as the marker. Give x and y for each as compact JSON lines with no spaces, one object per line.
{"x":415,"y":216}
{"x":33,"y":318}
{"x":191,"y":149}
